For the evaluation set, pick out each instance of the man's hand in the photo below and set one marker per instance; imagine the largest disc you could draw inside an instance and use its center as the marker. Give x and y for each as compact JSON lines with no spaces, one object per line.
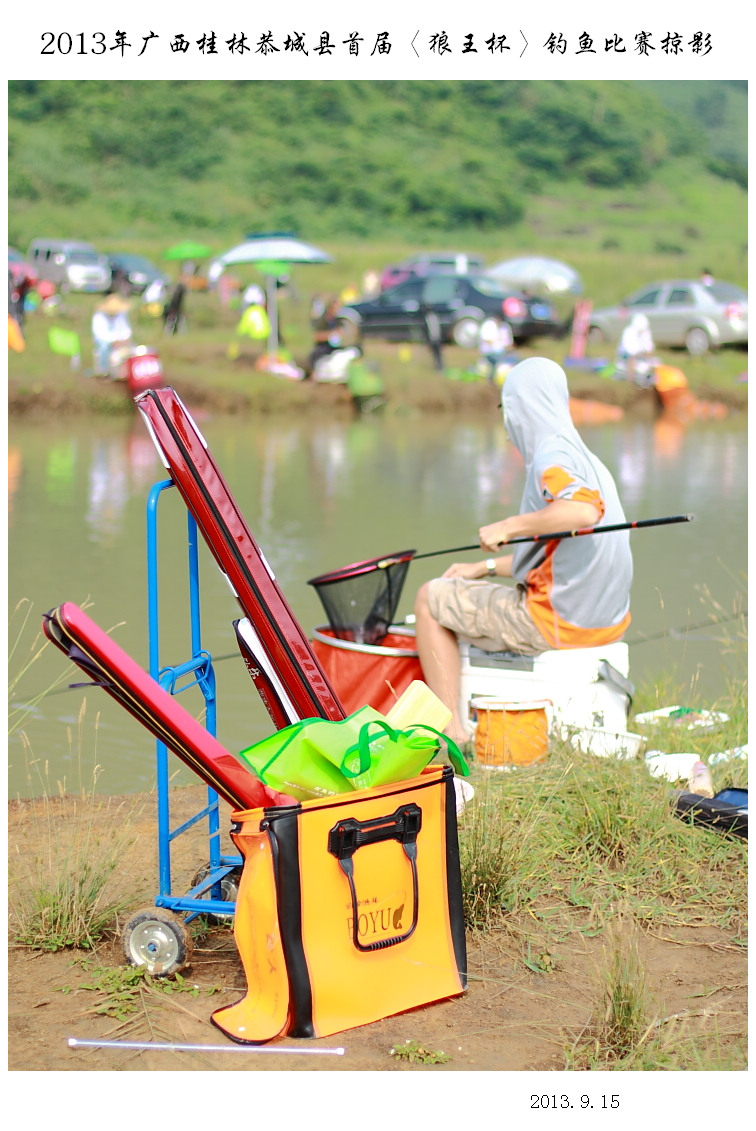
{"x":561,"y":514}
{"x":471,"y":571}
{"x":492,"y":536}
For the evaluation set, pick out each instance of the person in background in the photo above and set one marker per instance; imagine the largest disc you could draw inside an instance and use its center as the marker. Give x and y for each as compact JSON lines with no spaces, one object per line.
{"x":154,"y":292}
{"x":327,"y":329}
{"x":635,"y":353}
{"x":432,"y":328}
{"x":214,"y":272}
{"x":568,"y":593}
{"x":495,"y":342}
{"x":706,"y":277}
{"x":350,"y":293}
{"x":253,"y":296}
{"x":173,"y":311}
{"x":110,"y":330}
{"x":371,"y":283}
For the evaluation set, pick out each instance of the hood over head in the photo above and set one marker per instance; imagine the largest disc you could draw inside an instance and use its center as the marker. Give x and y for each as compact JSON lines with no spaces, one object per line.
{"x":535,"y":404}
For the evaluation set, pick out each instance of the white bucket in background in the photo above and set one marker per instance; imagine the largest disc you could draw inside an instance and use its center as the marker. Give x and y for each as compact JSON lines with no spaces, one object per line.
{"x":569,"y":678}
{"x":671,"y":767}
{"x":607,"y":743}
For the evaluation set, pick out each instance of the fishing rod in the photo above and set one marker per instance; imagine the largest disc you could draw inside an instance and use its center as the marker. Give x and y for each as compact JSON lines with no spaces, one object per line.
{"x":172,"y":1046}
{"x":679,"y":633}
{"x":562,"y":534}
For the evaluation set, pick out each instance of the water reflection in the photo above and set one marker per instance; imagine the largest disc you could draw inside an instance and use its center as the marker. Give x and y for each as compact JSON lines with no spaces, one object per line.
{"x":108,"y":491}
{"x":60,"y":472}
{"x":15,"y":467}
{"x":696,"y":459}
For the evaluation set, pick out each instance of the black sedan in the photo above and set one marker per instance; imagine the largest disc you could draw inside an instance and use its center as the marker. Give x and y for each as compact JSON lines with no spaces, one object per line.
{"x":461,"y":303}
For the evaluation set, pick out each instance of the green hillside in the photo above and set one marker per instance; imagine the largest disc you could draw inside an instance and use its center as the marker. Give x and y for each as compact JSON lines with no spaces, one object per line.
{"x":585,"y":170}
{"x":720,"y":109}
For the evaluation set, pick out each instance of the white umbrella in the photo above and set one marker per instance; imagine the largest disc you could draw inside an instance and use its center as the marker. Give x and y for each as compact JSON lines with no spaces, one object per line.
{"x":537,"y":273}
{"x":273,"y":252}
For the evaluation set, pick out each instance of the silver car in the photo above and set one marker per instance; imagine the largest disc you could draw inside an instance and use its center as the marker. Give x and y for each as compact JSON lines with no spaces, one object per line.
{"x":71,"y":264}
{"x":682,"y":312}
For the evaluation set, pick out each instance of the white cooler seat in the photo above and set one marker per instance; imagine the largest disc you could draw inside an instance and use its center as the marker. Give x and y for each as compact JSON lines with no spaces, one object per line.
{"x":588,"y":687}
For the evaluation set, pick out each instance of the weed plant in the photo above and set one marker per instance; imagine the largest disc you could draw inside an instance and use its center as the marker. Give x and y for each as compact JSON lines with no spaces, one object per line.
{"x":122,"y":990}
{"x":626,"y":1034}
{"x":621,"y":1017}
{"x":67,"y":885}
{"x":24,"y":657}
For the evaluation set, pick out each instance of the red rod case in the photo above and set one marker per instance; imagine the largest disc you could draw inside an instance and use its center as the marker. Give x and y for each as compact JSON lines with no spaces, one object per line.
{"x":294,"y":665}
{"x":85,"y":644}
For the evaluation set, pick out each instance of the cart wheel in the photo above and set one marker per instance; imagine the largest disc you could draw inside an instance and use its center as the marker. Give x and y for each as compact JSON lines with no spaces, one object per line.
{"x":229,"y":888}
{"x":158,"y":939}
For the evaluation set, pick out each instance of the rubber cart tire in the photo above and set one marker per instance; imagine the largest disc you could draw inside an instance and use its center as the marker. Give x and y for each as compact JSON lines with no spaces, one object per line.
{"x":159,"y":940}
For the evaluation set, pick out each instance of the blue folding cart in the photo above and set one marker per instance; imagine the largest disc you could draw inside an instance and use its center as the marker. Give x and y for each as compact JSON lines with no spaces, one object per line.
{"x":158,"y":937}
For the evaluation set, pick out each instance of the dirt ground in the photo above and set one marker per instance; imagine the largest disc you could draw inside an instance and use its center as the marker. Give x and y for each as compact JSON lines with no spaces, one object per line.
{"x":511,"y":1018}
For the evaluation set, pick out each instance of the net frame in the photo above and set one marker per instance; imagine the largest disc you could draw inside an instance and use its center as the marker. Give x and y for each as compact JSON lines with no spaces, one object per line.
{"x":368,"y":624}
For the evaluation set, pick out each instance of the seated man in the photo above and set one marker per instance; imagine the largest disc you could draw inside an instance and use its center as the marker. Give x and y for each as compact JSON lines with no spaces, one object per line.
{"x":635,"y":352}
{"x":110,"y":331}
{"x":568,"y":593}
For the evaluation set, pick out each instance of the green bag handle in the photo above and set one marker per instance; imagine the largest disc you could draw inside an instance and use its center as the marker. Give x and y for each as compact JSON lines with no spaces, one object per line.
{"x":456,"y":757}
{"x":362,"y":747}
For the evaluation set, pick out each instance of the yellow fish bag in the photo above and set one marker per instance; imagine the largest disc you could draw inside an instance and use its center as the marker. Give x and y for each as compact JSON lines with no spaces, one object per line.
{"x":349,"y":909}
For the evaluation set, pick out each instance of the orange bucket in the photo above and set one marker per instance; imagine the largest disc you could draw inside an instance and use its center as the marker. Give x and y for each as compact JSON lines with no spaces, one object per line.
{"x":511,"y":734}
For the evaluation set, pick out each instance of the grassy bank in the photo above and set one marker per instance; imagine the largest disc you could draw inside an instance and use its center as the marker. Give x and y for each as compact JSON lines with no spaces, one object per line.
{"x":197,"y":363}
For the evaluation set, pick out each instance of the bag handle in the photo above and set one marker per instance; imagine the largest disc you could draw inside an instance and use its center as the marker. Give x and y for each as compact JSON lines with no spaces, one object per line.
{"x":347,"y":836}
{"x":362,"y":747}
{"x":456,"y":757}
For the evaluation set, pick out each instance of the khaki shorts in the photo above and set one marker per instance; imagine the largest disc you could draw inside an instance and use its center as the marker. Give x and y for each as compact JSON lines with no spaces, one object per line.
{"x":491,"y":616}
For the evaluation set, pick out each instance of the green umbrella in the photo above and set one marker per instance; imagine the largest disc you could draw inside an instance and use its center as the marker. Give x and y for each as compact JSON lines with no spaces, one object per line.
{"x":189,"y":249}
{"x":273,"y":253}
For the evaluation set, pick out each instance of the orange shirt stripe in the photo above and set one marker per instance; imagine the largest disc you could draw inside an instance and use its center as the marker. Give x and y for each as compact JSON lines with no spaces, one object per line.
{"x":560,"y":633}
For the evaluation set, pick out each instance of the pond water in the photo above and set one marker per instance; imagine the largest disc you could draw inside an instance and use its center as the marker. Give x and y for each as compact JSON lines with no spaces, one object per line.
{"x":318,"y":495}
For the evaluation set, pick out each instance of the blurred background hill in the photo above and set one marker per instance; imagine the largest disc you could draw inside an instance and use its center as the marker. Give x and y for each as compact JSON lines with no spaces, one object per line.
{"x":626,"y":181}
{"x":410,"y":160}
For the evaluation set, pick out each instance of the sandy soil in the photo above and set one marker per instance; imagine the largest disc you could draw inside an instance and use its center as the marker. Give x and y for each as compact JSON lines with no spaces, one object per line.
{"x":510,"y":1018}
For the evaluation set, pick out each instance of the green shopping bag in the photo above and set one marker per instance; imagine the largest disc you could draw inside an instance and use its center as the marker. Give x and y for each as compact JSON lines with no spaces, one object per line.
{"x":320,"y":757}
{"x":306,"y":756}
{"x":383,"y":755}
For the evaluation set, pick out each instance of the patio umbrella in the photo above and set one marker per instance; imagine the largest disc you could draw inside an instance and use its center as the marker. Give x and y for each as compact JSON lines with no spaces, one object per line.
{"x":538,"y":274}
{"x":187,"y":249}
{"x":272,"y":253}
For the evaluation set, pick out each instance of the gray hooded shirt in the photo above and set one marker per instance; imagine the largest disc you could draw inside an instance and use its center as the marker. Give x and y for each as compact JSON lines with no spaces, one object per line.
{"x":578,"y":588}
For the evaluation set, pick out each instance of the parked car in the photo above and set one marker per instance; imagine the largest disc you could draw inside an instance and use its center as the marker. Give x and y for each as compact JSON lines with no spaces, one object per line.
{"x":71,"y":264}
{"x":461,"y":303}
{"x":430,"y":263}
{"x":132,"y":274}
{"x":681,"y":312}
